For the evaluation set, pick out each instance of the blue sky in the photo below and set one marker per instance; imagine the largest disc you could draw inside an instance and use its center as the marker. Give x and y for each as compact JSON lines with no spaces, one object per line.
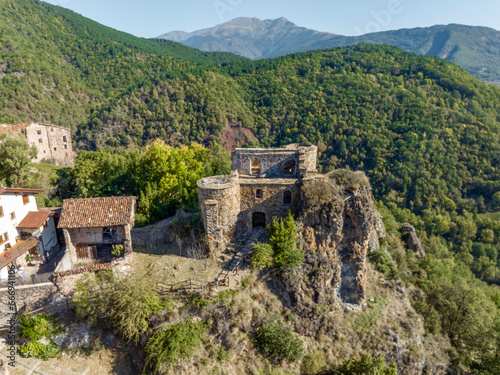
{"x":150,"y":18}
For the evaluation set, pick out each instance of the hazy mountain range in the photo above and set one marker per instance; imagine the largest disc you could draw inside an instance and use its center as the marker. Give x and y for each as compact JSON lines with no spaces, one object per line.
{"x":475,"y":48}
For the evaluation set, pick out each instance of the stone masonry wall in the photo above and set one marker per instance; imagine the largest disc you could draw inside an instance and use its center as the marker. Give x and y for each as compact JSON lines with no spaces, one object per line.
{"x":219,"y":198}
{"x":309,"y":155}
{"x":85,"y":235}
{"x":52,"y":142}
{"x":271,"y":161}
{"x":271,"y":203}
{"x":228,"y":203}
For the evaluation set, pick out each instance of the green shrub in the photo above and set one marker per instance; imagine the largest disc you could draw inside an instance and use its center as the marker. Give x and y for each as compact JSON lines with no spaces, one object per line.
{"x":429,"y":313}
{"x":125,"y":303}
{"x":140,"y":220}
{"x":202,"y":303}
{"x":383,"y":262}
{"x":118,"y":250}
{"x":348,"y":177}
{"x":39,"y":350}
{"x":313,"y":363}
{"x":276,"y":341}
{"x":320,"y":191}
{"x":245,"y":282}
{"x":281,"y":250}
{"x":365,"y":365}
{"x":262,"y":256}
{"x":177,"y":342}
{"x":38,"y":327}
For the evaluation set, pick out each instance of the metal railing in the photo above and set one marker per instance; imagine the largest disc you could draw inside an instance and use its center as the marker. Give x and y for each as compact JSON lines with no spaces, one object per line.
{"x":19,"y":249}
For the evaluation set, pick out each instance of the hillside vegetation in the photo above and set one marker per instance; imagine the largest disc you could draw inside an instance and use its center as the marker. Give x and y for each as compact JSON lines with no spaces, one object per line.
{"x":57,"y":66}
{"x":425,"y":132}
{"x":474,"y":48}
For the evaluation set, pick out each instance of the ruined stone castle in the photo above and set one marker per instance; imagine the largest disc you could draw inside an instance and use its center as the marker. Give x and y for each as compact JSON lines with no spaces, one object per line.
{"x":262,"y":184}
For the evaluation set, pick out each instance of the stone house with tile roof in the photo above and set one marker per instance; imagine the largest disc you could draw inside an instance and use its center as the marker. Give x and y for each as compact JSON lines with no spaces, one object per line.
{"x":52,"y":142}
{"x":91,"y":226}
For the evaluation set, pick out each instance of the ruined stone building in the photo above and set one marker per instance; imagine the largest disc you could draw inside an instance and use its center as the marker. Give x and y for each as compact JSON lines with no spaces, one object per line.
{"x":52,"y":142}
{"x":92,"y":226}
{"x":262,"y":184}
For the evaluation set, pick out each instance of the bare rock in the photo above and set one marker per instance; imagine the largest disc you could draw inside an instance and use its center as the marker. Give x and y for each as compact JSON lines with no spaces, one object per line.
{"x":409,"y":235}
{"x":335,"y":236}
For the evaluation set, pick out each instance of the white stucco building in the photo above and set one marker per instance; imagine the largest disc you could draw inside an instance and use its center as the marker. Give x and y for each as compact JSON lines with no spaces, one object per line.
{"x":23,"y":229}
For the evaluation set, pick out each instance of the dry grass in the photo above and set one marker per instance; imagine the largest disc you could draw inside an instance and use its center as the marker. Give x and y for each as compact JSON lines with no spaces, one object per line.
{"x":388,"y":325}
{"x":101,"y":362}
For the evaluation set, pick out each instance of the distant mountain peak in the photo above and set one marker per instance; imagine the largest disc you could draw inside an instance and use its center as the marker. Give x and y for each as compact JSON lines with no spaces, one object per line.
{"x":250,"y":37}
{"x":474,"y":48}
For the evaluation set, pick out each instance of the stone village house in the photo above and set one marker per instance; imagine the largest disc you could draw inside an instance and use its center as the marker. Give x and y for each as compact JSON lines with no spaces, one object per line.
{"x":262,"y":184}
{"x":92,"y":226}
{"x":52,"y":142}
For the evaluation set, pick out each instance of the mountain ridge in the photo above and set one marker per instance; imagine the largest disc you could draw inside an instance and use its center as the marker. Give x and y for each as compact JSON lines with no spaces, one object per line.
{"x":475,"y":48}
{"x":249,"y":37}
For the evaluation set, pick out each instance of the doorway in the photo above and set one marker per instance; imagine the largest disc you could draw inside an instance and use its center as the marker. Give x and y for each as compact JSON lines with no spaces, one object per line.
{"x":258,"y":220}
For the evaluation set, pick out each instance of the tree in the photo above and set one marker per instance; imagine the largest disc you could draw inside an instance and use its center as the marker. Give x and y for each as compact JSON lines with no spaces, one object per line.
{"x":262,"y":256}
{"x":15,"y":158}
{"x":175,"y":343}
{"x":283,"y":235}
{"x":281,"y":250}
{"x":277,"y":341}
{"x":168,"y":175}
{"x":495,"y":201}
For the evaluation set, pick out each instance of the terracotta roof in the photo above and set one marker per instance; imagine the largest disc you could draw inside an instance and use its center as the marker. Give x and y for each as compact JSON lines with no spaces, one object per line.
{"x":54,"y":211}
{"x":15,"y":128}
{"x":96,"y":212}
{"x":4,"y":128}
{"x":5,"y":190}
{"x":34,"y":219}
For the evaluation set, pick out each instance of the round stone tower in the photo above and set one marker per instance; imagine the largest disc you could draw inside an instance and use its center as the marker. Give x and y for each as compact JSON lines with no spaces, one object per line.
{"x":220,"y":205}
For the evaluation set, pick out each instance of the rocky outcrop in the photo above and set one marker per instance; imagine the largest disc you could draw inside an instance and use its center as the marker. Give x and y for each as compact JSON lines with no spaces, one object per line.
{"x":337,"y":225}
{"x":409,"y":236}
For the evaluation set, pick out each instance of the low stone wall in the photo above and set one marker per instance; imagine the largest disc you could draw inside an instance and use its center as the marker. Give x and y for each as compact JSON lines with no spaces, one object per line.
{"x":158,"y":238}
{"x":95,"y":267}
{"x":35,"y":297}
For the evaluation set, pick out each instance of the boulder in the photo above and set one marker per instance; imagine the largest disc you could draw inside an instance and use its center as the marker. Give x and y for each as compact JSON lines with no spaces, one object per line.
{"x":409,"y":236}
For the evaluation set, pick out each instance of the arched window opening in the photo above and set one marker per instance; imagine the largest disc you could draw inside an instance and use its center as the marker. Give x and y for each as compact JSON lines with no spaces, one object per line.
{"x":259,"y":193}
{"x":289,"y":167}
{"x":255,"y":166}
{"x":258,"y":220}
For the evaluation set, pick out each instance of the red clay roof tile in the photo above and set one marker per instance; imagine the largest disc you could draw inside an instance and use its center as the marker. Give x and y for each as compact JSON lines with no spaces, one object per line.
{"x":97,"y":212}
{"x":34,"y":219}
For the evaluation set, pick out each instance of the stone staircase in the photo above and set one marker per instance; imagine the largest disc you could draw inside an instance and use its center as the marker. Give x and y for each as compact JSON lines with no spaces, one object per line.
{"x":258,"y":235}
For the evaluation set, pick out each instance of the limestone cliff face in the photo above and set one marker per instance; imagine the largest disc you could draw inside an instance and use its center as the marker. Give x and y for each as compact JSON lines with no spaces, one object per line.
{"x":336,"y":230}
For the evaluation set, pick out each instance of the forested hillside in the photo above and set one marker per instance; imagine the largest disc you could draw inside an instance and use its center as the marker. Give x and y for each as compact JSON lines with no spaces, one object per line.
{"x":424,"y":131}
{"x":474,"y":48}
{"x":57,"y":66}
